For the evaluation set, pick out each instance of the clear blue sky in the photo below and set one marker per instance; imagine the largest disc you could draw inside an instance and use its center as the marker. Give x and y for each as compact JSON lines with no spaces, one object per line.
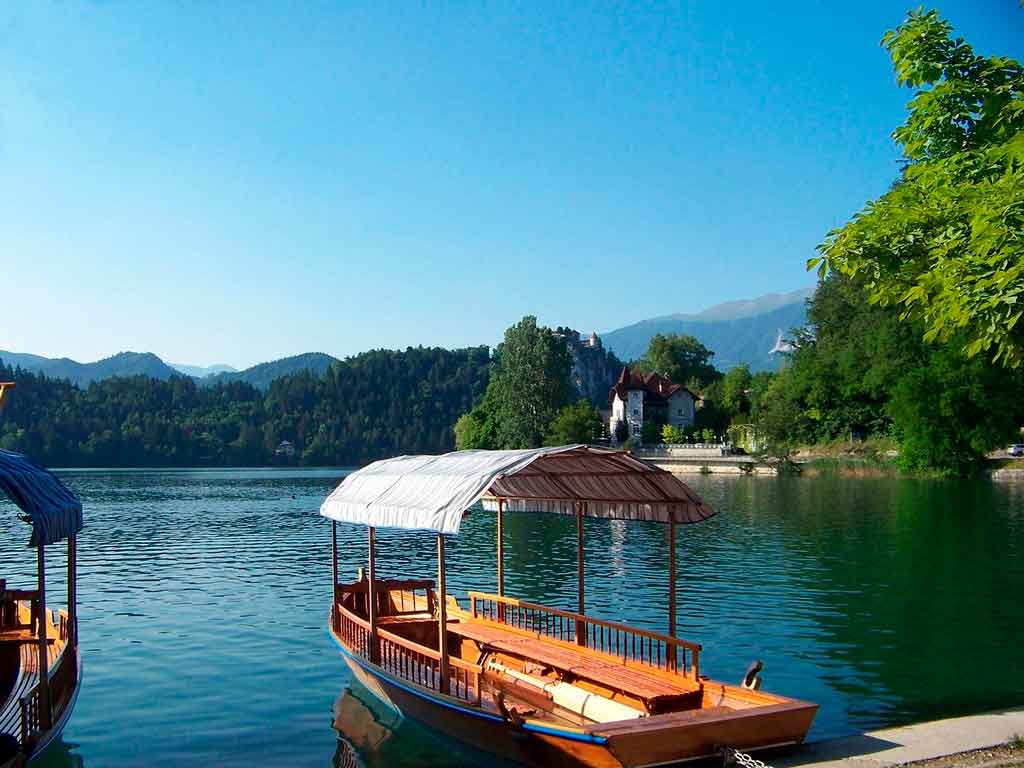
{"x":239,"y":181}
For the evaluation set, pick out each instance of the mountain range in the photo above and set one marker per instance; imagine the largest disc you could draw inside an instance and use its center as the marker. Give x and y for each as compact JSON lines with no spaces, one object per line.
{"x":200,"y":372}
{"x":737,"y":331}
{"x":148,"y":364}
{"x":83,"y":374}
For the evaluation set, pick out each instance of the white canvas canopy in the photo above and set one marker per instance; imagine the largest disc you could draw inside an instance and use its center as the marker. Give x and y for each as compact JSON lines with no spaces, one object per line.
{"x":433,"y":492}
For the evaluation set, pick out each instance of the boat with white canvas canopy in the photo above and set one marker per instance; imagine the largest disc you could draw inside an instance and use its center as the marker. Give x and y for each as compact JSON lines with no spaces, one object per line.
{"x":528,"y":682}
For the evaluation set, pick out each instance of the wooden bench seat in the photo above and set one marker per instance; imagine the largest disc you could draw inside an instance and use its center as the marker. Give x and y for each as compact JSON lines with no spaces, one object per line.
{"x":22,"y":636}
{"x":583,"y":664}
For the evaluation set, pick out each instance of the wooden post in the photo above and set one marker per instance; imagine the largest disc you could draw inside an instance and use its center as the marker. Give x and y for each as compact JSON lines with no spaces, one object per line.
{"x":45,"y":720}
{"x":442,"y":614}
{"x":72,"y":591}
{"x":371,"y":599}
{"x":335,"y":617}
{"x":501,"y":558}
{"x":581,"y":627}
{"x":501,"y":548}
{"x":334,"y":556}
{"x":673,"y":652}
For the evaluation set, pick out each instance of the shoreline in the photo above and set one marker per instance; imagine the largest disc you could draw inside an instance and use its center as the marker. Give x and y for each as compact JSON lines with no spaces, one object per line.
{"x":944,"y":743}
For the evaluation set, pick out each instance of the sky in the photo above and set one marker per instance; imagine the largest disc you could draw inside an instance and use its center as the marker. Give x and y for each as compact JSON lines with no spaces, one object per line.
{"x":236,"y":182}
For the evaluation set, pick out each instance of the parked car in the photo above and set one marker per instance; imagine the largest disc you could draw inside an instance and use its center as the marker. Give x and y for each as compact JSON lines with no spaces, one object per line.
{"x":1017,"y":449}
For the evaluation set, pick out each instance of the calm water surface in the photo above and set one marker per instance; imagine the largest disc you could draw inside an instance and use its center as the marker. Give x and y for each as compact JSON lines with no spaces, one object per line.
{"x":204,"y":596}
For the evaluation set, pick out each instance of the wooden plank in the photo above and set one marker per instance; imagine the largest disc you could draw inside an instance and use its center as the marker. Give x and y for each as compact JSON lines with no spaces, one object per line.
{"x":583,"y":664}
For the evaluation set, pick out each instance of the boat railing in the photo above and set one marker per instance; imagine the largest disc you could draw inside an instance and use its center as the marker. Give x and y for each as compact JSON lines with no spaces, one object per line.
{"x":407,"y":659}
{"x":354,"y":631}
{"x":421,"y":665}
{"x":63,"y":676}
{"x":630,"y":644}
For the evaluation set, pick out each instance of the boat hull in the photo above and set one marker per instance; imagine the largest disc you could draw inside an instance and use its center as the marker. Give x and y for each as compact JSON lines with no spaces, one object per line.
{"x":484,"y":731}
{"x":653,"y":741}
{"x":52,"y":735}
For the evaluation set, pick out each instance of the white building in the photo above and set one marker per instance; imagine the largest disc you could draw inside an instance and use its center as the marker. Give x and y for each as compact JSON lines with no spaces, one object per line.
{"x":635,"y":398}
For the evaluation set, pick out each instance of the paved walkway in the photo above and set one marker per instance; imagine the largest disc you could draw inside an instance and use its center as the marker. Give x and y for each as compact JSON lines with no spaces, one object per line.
{"x":924,"y":741}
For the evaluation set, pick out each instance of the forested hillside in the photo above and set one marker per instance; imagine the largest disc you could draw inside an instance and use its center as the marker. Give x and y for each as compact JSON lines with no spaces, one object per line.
{"x":373,"y":405}
{"x":83,"y":374}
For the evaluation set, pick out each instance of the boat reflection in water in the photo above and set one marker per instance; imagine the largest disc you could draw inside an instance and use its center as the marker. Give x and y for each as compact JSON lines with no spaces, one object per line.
{"x":372,"y":735}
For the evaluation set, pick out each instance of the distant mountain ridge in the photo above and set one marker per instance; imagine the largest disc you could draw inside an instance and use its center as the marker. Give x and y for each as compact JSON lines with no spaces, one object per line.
{"x":737,"y":331}
{"x":200,"y":371}
{"x":261,"y":375}
{"x":148,"y":364}
{"x":83,"y":374}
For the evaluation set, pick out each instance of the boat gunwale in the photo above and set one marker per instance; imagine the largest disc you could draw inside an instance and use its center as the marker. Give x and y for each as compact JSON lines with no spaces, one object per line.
{"x":779,"y":704}
{"x":451,"y":702}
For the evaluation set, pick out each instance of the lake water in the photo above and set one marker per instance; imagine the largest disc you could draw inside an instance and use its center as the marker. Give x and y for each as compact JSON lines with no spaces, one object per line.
{"x":204,"y":597}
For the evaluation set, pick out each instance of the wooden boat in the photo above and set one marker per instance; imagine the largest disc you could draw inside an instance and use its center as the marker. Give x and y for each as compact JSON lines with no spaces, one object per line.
{"x":529,"y":683}
{"x":40,"y":664}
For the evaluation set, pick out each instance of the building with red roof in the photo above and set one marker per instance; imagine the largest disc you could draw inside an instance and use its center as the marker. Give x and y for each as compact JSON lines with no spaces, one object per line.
{"x":636,"y":398}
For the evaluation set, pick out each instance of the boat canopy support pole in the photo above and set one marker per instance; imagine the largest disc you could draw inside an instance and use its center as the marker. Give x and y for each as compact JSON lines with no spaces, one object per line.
{"x":334,"y":555}
{"x":501,"y":557}
{"x":371,"y":597}
{"x":442,"y":615}
{"x":581,"y":627}
{"x":501,"y":548}
{"x":45,"y":720}
{"x":673,"y":651}
{"x":72,"y":591}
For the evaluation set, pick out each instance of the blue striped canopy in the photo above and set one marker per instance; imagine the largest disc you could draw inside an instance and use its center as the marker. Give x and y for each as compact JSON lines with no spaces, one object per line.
{"x":53,"y":508}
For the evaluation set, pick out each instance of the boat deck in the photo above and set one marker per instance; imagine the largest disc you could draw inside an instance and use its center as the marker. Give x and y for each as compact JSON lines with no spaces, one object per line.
{"x":653,"y":688}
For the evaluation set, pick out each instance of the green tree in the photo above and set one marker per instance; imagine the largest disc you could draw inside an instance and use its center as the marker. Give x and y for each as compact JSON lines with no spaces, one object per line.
{"x":759,"y":385}
{"x":672,"y":435}
{"x":679,"y":357}
{"x":953,"y":410}
{"x":946,"y":243}
{"x":735,"y":391}
{"x":577,"y":423}
{"x":530,"y":384}
{"x":477,"y":429}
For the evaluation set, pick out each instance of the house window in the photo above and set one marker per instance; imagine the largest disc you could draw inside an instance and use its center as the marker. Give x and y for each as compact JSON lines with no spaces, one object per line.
{"x":636,"y":430}
{"x":636,"y":412}
{"x":681,"y":412}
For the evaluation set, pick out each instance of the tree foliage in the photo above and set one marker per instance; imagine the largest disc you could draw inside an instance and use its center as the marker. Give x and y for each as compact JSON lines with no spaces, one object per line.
{"x":576,"y":423}
{"x":679,"y":357}
{"x":946,"y":244}
{"x":528,"y":388}
{"x":377,"y":404}
{"x":861,"y":371}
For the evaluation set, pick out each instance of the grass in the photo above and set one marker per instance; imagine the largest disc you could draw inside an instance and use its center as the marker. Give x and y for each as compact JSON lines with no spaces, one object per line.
{"x":881,"y":450}
{"x":874,"y":457}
